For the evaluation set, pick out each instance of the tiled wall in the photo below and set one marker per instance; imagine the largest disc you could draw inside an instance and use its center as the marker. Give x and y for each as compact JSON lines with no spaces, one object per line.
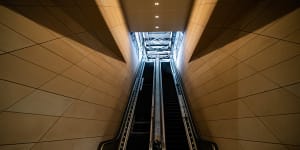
{"x":245,"y":94}
{"x":58,"y":89}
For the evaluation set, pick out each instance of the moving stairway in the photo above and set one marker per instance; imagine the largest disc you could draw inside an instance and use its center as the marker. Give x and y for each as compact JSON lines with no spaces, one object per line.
{"x":174,"y":127}
{"x":157,"y":115}
{"x":140,"y":132}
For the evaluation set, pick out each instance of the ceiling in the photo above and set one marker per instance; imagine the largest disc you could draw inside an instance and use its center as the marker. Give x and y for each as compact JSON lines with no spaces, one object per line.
{"x":140,"y":14}
{"x":157,"y":40}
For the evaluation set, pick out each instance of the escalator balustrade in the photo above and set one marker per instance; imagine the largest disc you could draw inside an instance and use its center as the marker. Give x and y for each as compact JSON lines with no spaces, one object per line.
{"x":136,"y":132}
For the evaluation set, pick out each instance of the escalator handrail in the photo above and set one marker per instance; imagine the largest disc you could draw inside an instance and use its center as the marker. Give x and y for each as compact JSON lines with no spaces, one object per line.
{"x":157,"y":130}
{"x":201,"y":143}
{"x":135,"y":88}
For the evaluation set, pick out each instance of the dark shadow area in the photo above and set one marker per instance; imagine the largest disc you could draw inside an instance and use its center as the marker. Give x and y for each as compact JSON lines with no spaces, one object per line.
{"x":72,"y":19}
{"x":233,"y":19}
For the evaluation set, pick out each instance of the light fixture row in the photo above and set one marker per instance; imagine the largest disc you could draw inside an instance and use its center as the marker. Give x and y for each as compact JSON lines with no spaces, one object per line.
{"x":156,"y":16}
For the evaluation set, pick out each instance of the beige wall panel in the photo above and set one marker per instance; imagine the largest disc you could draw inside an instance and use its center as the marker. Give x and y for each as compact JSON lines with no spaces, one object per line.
{"x":25,"y":26}
{"x":95,"y":96}
{"x":44,"y":103}
{"x":295,"y":88}
{"x":40,"y":56}
{"x":69,"y":128}
{"x":279,"y":52}
{"x":63,"y":49}
{"x":33,"y":127}
{"x":273,"y":102}
{"x":64,"y":86}
{"x":20,"y":71}
{"x":284,"y":127}
{"x":246,"y":128}
{"x":284,"y":26}
{"x":91,"y":111}
{"x":77,"y":74}
{"x":253,"y":46}
{"x":244,"y":85}
{"x":16,"y":147}
{"x":76,"y":144}
{"x":10,"y":40}
{"x":234,"y":109}
{"x":52,"y":51}
{"x":285,"y":73}
{"x":11,"y":93}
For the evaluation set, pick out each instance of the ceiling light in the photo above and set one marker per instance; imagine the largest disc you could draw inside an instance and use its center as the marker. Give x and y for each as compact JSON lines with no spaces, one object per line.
{"x":156,"y":3}
{"x":156,"y":16}
{"x":156,"y":27}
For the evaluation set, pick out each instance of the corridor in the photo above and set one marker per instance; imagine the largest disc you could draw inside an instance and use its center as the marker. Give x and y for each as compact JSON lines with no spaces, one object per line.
{"x":68,"y":68}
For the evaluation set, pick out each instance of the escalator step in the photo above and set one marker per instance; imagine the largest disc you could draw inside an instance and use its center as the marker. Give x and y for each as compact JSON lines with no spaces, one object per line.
{"x":139,"y":133}
{"x":175,"y":131}
{"x":138,"y":141}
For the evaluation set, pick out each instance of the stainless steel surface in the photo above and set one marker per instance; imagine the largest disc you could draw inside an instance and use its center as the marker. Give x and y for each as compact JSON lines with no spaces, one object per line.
{"x":163,"y":142}
{"x":152,"y":112}
{"x":157,"y":133}
{"x":157,"y":107}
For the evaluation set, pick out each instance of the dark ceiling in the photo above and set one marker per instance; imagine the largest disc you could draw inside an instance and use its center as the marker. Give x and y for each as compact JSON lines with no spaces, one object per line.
{"x":140,"y":14}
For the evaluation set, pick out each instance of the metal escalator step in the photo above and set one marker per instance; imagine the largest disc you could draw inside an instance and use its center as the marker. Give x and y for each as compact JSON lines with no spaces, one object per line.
{"x":142,"y":122}
{"x":139,"y":133}
{"x":138,"y":141}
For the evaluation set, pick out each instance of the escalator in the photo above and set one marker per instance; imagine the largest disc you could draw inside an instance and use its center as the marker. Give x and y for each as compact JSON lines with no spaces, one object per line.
{"x":140,"y":132}
{"x":174,"y":127}
{"x":157,"y":115}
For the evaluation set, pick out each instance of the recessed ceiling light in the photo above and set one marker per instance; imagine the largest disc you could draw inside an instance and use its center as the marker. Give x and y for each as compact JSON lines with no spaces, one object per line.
{"x":156,"y":27}
{"x":156,"y":16}
{"x":156,"y":3}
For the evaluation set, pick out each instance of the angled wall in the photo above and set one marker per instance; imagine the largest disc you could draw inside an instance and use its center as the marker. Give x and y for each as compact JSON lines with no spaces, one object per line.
{"x":64,"y":81}
{"x":243,"y":78}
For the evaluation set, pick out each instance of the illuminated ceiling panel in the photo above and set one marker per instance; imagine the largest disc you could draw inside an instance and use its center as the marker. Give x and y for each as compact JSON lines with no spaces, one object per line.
{"x":157,"y":43}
